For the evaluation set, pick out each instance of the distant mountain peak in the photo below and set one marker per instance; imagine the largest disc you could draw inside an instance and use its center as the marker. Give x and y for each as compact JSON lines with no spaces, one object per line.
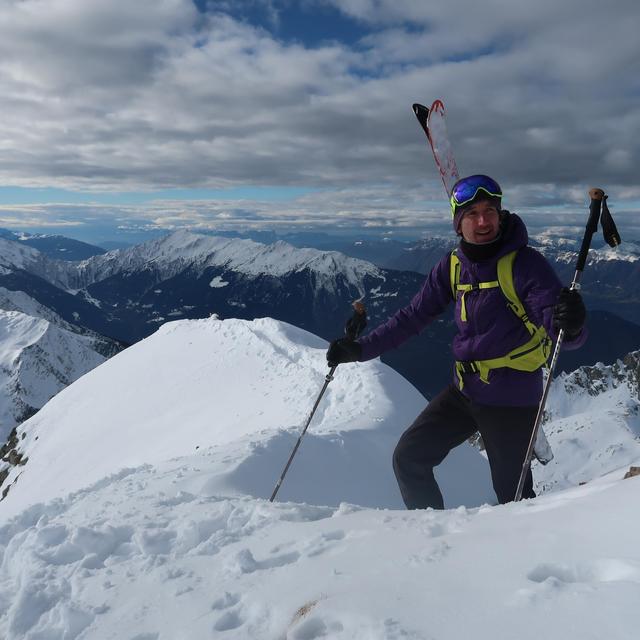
{"x":14,"y":254}
{"x":178,"y":250}
{"x":248,"y":256}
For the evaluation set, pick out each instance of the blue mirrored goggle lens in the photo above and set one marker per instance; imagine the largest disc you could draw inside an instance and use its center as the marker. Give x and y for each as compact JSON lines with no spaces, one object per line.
{"x":466,"y":190}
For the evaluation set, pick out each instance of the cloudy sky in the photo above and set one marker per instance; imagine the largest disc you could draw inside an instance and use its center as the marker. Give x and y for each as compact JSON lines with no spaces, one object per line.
{"x":274,"y":114}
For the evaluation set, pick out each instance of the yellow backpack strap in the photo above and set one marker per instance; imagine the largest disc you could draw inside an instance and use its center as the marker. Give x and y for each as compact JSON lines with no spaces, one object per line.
{"x":508,"y":288}
{"x":529,"y":356}
{"x":454,"y":276}
{"x":454,"y":273}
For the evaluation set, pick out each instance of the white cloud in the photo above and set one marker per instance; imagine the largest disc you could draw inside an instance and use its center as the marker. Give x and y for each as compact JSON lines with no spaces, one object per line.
{"x":120,"y":95}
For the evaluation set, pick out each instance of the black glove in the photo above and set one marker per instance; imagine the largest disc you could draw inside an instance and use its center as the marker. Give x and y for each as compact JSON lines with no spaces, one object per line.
{"x":343,"y":350}
{"x":569,"y":312}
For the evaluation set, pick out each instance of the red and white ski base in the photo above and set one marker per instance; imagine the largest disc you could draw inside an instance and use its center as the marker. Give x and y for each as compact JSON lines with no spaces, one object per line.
{"x":434,"y":124}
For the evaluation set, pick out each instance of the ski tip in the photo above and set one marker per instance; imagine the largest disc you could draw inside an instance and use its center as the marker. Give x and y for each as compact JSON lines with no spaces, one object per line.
{"x":422,"y":113}
{"x":419,"y":109}
{"x":437,"y":106}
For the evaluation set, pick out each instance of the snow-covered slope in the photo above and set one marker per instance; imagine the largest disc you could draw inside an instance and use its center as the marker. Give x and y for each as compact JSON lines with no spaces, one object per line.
{"x":16,"y":255}
{"x":144,"y":555}
{"x":237,"y":392}
{"x":593,"y":423}
{"x":37,"y":360}
{"x":171,"y":447}
{"x":20,"y":301}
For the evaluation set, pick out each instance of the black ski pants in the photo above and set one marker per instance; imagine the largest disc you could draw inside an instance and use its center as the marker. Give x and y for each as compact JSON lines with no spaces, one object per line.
{"x":449,"y":420}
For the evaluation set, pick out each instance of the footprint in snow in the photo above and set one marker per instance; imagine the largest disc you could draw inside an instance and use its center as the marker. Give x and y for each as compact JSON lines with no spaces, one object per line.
{"x":60,"y":545}
{"x":393,"y":630}
{"x":430,"y":554}
{"x":244,"y":562}
{"x":52,"y":535}
{"x":225,"y":601}
{"x":602,"y":570}
{"x":323,"y":542}
{"x":228,"y":620}
{"x":314,"y":628}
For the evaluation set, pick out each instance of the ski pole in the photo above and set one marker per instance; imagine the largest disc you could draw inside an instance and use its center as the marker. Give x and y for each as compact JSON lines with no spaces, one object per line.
{"x":354,"y":327}
{"x":612,"y":238}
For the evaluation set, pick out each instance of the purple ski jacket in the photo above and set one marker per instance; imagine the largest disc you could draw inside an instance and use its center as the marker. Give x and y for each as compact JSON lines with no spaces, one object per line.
{"x":492,"y":330}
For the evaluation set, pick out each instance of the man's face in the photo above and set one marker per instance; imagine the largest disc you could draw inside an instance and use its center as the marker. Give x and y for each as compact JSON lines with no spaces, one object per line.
{"x":480,"y":222}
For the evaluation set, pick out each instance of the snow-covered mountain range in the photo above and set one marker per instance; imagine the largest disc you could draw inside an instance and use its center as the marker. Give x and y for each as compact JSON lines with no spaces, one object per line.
{"x":171,"y":254}
{"x":55,"y":246}
{"x":40,"y":354}
{"x":192,"y":275}
{"x":141,"y":511}
{"x":128,"y":293}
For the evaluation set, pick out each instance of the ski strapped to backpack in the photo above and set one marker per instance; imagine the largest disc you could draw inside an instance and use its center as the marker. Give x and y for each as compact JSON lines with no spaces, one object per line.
{"x":527,"y":357}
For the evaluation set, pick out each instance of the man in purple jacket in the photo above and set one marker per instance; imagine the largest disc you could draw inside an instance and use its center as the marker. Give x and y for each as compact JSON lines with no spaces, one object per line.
{"x":509,"y":306}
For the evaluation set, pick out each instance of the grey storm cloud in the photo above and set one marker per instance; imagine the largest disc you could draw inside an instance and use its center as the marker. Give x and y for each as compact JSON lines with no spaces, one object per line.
{"x":121,"y":95}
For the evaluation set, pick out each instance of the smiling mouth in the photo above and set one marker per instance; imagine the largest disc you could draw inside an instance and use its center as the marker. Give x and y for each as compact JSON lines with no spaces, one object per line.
{"x":484,"y":235}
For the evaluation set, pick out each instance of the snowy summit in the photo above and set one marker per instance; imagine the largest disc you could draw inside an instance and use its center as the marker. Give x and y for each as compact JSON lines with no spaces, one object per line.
{"x":169,"y":396}
{"x":141,"y":512}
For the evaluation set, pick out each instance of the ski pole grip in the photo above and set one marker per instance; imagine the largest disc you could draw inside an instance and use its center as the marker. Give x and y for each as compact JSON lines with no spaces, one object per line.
{"x":596,"y":195}
{"x":356,"y":324}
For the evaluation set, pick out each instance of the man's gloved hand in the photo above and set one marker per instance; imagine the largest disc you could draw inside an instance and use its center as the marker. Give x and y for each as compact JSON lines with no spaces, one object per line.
{"x":569,"y":312}
{"x":343,"y":350}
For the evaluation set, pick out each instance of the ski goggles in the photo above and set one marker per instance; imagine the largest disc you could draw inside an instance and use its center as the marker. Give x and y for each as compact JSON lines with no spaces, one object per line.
{"x":466,"y":190}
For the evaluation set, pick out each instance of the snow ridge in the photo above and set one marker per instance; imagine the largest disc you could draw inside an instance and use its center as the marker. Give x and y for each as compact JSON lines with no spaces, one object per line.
{"x":186,"y":404}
